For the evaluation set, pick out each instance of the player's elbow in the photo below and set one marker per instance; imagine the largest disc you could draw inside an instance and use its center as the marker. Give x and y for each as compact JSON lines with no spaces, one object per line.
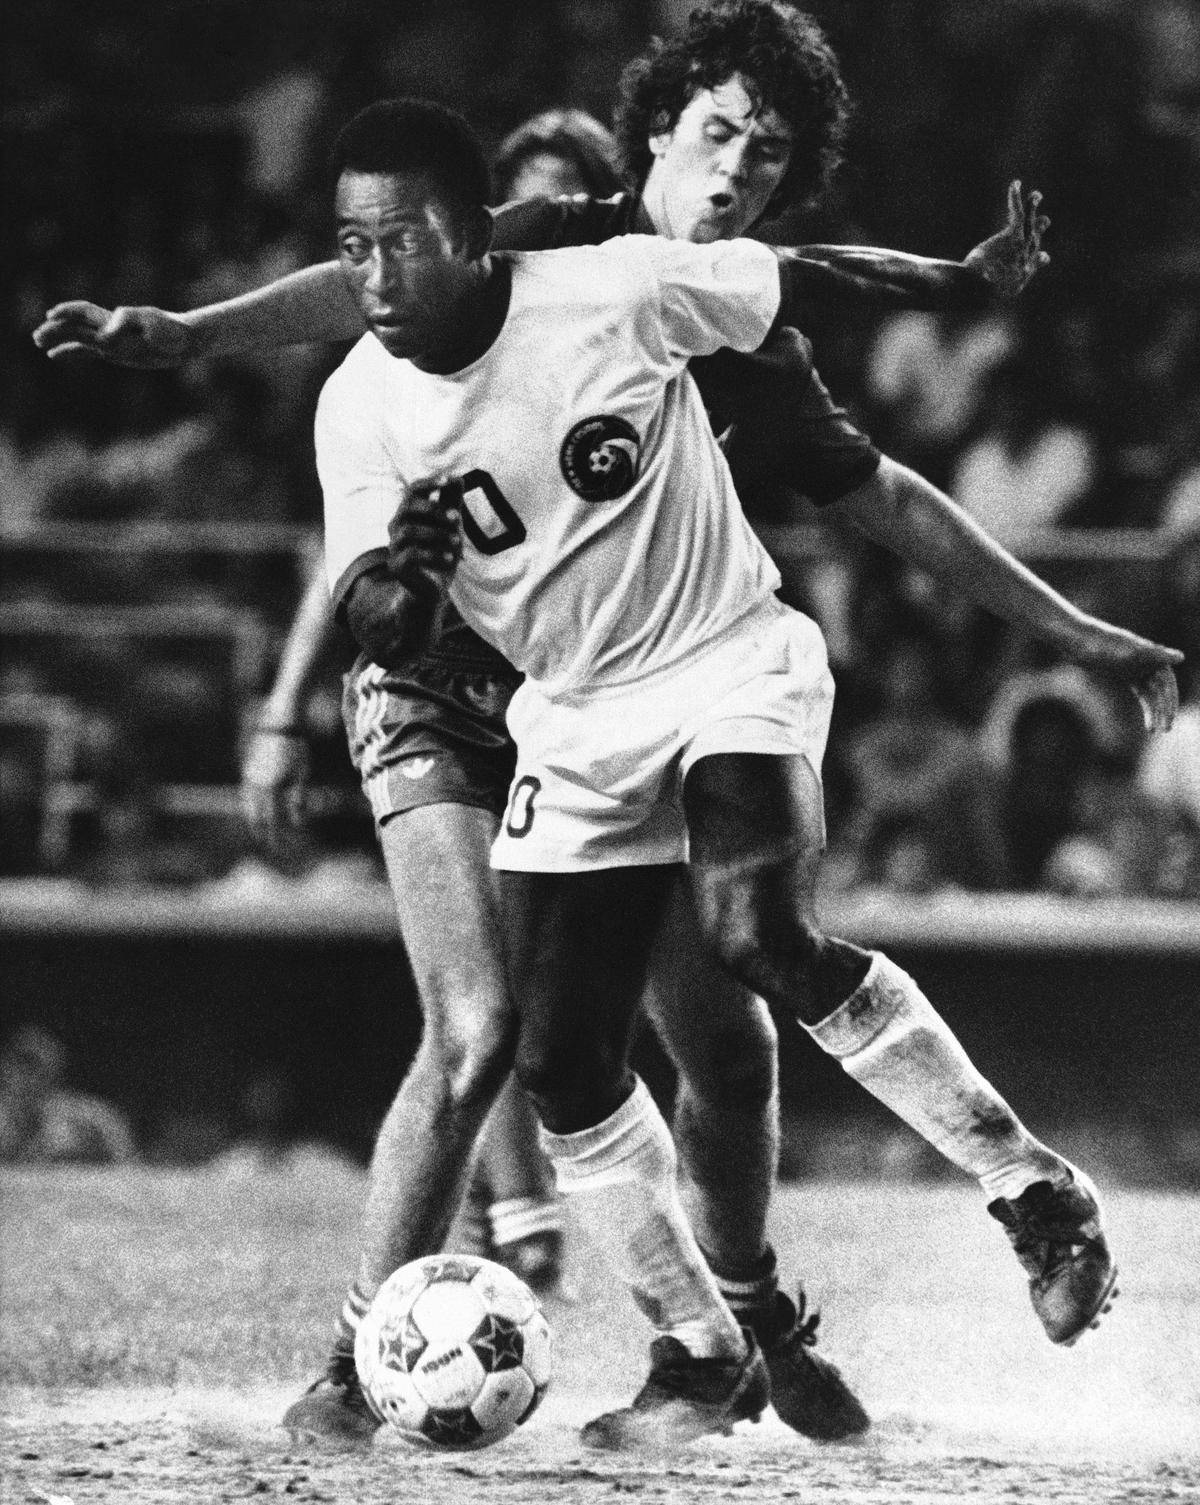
{"x":387,"y":621}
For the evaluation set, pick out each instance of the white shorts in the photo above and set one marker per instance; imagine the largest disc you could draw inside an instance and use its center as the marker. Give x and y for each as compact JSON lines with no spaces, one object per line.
{"x":599,"y":777}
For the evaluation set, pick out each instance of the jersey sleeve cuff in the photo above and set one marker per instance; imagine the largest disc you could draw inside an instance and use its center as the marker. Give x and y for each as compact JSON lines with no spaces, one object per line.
{"x":345,"y":581}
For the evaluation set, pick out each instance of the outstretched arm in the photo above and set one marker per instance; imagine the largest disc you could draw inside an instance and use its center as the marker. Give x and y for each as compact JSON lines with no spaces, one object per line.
{"x":309,"y":306}
{"x":904,"y":512}
{"x":275,"y":767}
{"x":314,"y":306}
{"x":1000,"y":266}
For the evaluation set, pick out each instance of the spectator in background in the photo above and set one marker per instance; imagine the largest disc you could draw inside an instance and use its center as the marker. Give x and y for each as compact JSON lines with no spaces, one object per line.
{"x":555,"y":153}
{"x":899,"y":760}
{"x":42,"y":1121}
{"x":265,"y":1140}
{"x":926,"y":374}
{"x":1024,"y":469}
{"x":1049,"y":802}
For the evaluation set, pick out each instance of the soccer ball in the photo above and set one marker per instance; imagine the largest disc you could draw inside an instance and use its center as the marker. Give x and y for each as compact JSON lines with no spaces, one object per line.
{"x":454,"y":1351}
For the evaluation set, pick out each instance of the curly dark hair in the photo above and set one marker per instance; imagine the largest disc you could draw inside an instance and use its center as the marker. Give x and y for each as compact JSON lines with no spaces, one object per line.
{"x":787,"y":65}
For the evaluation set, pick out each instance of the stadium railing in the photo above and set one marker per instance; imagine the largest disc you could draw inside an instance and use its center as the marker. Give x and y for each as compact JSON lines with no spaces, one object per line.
{"x":248,"y":629}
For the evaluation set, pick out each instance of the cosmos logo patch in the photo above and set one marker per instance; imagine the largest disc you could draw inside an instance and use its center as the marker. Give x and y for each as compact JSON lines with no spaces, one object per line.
{"x":600,"y":456}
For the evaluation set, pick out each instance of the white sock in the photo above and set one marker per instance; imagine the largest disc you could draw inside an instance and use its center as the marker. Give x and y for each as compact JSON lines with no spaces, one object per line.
{"x":517,"y":1218}
{"x":892,"y":1041}
{"x":621,"y":1174}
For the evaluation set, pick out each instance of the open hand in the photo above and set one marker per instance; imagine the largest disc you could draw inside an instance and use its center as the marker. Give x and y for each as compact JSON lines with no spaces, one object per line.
{"x":1147,"y":668}
{"x":1157,"y":692}
{"x":143,"y":337}
{"x":275,"y":774}
{"x":1009,"y":259}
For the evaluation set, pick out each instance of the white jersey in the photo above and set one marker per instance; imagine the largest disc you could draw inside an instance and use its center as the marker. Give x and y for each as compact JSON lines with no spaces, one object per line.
{"x":604,"y":538}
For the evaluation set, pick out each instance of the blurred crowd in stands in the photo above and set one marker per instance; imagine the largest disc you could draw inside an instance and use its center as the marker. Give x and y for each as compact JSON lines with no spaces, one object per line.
{"x":44,"y":1120}
{"x":174,"y":156}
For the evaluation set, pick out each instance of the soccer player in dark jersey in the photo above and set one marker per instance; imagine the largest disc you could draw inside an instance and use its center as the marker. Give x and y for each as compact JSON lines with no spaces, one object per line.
{"x":726,"y":144}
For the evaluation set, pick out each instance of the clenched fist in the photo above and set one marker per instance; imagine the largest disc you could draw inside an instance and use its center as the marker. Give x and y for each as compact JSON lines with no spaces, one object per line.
{"x":425,"y":535}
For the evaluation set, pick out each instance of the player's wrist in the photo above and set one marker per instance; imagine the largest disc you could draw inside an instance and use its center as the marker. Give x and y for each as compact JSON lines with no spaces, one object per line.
{"x":270,"y":723}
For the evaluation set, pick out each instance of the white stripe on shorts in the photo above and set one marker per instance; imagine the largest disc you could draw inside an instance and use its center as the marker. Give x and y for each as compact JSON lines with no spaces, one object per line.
{"x":370,"y":708}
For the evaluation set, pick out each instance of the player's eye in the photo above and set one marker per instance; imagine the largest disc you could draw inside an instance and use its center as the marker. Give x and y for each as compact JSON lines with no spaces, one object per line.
{"x":412,"y":242}
{"x":353,"y":248}
{"x":717,"y":130}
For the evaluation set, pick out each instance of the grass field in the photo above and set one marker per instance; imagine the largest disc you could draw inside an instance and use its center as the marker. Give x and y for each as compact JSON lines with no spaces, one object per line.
{"x":154,"y":1325}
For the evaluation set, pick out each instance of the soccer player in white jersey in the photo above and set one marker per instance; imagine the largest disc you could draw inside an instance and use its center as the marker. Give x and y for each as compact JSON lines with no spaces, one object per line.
{"x":702,"y":119}
{"x":554,"y":469}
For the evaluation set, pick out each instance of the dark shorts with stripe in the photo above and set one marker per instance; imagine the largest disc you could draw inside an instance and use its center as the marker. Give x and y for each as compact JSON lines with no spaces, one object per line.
{"x":432,"y":733}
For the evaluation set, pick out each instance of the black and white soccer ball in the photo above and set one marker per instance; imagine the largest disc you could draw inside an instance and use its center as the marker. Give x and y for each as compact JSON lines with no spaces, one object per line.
{"x":454,"y":1351}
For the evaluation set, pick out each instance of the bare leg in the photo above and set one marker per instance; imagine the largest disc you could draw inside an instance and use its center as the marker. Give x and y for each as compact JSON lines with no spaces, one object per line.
{"x":510,"y":1155}
{"x":522,"y":1209}
{"x":580,"y":944}
{"x":438,"y":864}
{"x":723,"y":1043}
{"x":726,"y":1121}
{"x":755,"y":825}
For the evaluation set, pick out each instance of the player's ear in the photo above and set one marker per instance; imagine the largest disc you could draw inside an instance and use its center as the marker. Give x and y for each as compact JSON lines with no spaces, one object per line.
{"x":659,"y":141}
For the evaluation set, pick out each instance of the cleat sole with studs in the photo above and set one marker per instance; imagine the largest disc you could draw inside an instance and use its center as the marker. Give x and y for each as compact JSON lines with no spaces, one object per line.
{"x":1107,"y":1298}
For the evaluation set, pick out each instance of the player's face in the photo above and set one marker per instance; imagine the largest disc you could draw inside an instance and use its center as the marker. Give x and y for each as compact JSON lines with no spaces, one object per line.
{"x":406,"y":259}
{"x":713,"y":175}
{"x":548,"y":174}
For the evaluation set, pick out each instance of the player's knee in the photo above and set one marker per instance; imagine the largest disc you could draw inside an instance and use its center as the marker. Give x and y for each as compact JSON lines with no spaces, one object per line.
{"x":738,"y":1068}
{"x":472,"y":1057}
{"x":768,"y":948}
{"x":572,"y":1083}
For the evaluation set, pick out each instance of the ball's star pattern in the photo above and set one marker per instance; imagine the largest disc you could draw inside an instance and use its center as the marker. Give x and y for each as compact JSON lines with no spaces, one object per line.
{"x":403,"y":1350}
{"x":498,"y":1344}
{"x":451,"y":1428}
{"x":449,"y":1268}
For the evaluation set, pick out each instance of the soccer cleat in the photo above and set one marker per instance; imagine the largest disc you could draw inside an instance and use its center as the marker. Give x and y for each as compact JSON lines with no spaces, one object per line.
{"x":334,"y":1409}
{"x":808,"y":1392}
{"x":1056,"y":1234}
{"x":684,"y":1399}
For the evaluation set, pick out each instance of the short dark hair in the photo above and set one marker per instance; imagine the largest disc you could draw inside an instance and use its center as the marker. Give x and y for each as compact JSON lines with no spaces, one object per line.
{"x":573,"y":135}
{"x":416,"y":135}
{"x":787,"y":64}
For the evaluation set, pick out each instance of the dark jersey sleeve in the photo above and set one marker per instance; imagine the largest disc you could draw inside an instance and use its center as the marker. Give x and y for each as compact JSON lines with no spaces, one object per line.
{"x":782,"y":431}
{"x":550,"y":224}
{"x":873,"y":277}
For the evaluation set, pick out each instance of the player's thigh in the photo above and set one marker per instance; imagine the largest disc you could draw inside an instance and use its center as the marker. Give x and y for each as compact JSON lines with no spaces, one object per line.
{"x":756,"y":829}
{"x":438,"y":865}
{"x":717,"y":1033}
{"x":579,"y":946}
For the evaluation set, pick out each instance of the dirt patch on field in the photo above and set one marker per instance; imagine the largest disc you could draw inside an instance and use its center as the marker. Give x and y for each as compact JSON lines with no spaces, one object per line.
{"x":159,"y":1449}
{"x":153,"y":1329}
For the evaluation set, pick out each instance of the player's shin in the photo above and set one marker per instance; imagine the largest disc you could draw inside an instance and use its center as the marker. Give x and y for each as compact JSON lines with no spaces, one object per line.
{"x":727,"y":1165}
{"x":621,"y":1175}
{"x":891,"y":1040}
